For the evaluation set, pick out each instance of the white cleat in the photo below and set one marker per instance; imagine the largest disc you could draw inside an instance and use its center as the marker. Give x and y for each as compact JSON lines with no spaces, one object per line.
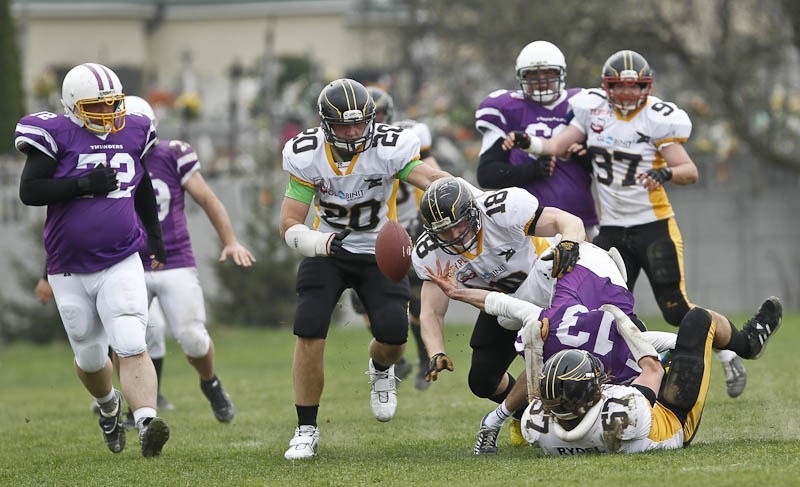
{"x":304,"y":444}
{"x":383,"y":392}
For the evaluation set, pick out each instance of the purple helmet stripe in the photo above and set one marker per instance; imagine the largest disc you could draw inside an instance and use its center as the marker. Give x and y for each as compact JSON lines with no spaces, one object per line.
{"x":91,"y":67}
{"x":107,"y":72}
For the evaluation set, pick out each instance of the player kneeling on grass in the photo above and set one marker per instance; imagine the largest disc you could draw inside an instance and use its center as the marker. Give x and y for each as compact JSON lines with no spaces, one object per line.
{"x":578,"y":412}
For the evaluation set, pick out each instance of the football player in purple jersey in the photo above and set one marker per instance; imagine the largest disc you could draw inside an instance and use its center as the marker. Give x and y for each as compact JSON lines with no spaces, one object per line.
{"x":175,"y":170}
{"x":541,"y":106}
{"x":87,"y":167}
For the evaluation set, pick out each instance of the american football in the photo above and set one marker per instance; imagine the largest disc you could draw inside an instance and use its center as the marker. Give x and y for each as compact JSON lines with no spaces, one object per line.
{"x":393,"y":251}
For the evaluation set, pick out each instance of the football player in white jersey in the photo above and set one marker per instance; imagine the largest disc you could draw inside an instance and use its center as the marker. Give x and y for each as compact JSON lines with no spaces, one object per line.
{"x":407,"y":202}
{"x":577,"y":412}
{"x":488,"y":237}
{"x":636,"y":142}
{"x":349,"y":168}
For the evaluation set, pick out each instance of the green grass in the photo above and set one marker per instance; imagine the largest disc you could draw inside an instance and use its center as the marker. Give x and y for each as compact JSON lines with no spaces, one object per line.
{"x":48,"y":436}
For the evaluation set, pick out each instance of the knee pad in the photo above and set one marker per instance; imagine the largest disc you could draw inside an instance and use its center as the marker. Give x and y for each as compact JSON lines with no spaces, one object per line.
{"x":663,"y":261}
{"x":194,"y":340}
{"x":126,"y":336}
{"x":484,"y":386}
{"x":77,"y":322}
{"x":672,"y":303}
{"x":90,"y":358}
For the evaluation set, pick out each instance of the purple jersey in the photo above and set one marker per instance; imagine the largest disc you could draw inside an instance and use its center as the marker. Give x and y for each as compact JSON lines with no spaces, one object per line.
{"x":90,"y":233}
{"x":577,"y":322}
{"x":569,"y":187}
{"x":170,"y":165}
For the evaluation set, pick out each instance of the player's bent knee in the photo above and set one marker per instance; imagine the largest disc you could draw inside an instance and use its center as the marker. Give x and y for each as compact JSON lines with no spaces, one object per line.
{"x":127,"y":336}
{"x":673,"y":306}
{"x":91,"y":358}
{"x":693,"y":332}
{"x":195,"y":341}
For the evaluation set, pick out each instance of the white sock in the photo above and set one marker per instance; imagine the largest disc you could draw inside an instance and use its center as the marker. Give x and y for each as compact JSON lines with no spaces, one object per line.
{"x":725,"y":355}
{"x":143,"y":413}
{"x":496,"y":418}
{"x":106,"y":403}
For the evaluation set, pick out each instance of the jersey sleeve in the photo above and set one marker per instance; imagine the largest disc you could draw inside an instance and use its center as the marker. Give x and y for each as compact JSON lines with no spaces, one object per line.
{"x":520,"y":207}
{"x":37,"y":131}
{"x":185,"y":159}
{"x":489,"y":117}
{"x":669,"y":124}
{"x":582,"y":104}
{"x":296,"y":164}
{"x":633,"y":408}
{"x":398,"y":154}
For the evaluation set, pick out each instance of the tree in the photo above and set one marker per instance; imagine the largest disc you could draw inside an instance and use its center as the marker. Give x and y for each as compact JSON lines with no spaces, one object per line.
{"x":10,"y":78}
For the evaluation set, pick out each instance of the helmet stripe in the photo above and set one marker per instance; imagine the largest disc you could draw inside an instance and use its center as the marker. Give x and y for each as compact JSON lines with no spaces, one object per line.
{"x":107,"y":72}
{"x":91,"y":67}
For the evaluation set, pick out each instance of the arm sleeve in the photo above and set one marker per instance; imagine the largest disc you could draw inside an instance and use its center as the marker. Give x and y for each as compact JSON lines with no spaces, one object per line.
{"x":37,"y":186}
{"x":495,"y":172}
{"x":146,"y":207}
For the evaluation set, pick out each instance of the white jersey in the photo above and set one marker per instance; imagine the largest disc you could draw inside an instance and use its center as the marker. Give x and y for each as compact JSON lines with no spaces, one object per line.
{"x":357,"y":194}
{"x":408,"y":196}
{"x":504,"y":253}
{"x":623,"y":147}
{"x":620,"y":422}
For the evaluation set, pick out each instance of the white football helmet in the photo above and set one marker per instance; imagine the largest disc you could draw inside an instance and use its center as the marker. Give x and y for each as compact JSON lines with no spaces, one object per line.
{"x":135,"y":104}
{"x":93,"y":83}
{"x":538,"y":56}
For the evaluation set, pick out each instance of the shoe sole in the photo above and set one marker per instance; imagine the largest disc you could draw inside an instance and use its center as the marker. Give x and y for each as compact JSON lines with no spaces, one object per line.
{"x":155,"y":437}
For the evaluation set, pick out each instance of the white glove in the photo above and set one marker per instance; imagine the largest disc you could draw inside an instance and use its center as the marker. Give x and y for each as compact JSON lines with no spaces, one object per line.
{"x":637,"y":343}
{"x":312,"y":243}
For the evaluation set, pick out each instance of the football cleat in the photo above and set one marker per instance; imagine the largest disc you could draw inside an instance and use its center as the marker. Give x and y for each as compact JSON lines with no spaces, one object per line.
{"x":515,"y":431}
{"x":735,"y":376}
{"x":113,"y":429}
{"x":153,"y":434}
{"x":763,"y":325}
{"x":486,"y":440}
{"x":220,"y":401}
{"x":383,"y":392}
{"x":304,"y":444}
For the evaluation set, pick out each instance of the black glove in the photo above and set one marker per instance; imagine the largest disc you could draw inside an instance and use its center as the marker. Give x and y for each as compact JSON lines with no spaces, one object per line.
{"x":564,"y":257}
{"x":438,"y":362}
{"x":584,"y":160}
{"x":661,"y":175}
{"x":336,"y":242}
{"x":521,"y":140}
{"x":156,"y":250}
{"x":102,"y":180}
{"x":537,"y":169}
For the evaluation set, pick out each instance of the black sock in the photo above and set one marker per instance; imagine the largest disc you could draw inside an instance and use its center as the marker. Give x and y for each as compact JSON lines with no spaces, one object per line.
{"x":209,"y":381}
{"x":739,"y":343}
{"x":421,"y":352}
{"x":307,"y":414}
{"x":379,"y":366}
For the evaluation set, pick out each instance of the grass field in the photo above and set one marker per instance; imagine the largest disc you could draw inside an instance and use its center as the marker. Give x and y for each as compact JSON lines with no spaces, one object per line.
{"x":49,"y":437}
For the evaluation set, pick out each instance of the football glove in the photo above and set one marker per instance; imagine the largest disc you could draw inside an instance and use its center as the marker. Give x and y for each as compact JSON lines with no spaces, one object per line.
{"x":661,"y":175}
{"x":564,"y":257}
{"x":523,"y":141}
{"x":438,"y":363}
{"x":537,"y":169}
{"x":102,"y":180}
{"x":335,"y":243}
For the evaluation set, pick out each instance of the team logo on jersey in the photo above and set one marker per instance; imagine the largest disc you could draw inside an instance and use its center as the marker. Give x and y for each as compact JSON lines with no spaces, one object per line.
{"x":597,"y":126}
{"x":373,"y":182}
{"x":466,"y":275}
{"x":642,"y":137}
{"x":322,"y":185}
{"x":507,"y":254}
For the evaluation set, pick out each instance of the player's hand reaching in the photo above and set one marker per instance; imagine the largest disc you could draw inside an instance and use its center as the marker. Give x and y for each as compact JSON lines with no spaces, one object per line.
{"x":157,"y":252}
{"x":564,"y":256}
{"x":653,"y":178}
{"x":520,"y":140}
{"x":444,"y":277}
{"x":240,"y":255}
{"x":438,"y":363}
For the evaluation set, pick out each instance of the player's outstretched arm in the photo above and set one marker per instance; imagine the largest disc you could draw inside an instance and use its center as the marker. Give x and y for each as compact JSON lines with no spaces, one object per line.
{"x":218,"y":216}
{"x":423,"y":175}
{"x":556,"y":146}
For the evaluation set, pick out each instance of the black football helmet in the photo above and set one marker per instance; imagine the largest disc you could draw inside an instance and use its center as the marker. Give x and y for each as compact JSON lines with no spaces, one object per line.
{"x":445,"y":204}
{"x":570,"y":383}
{"x":626,"y":68}
{"x":383,"y":103}
{"x":347,"y":102}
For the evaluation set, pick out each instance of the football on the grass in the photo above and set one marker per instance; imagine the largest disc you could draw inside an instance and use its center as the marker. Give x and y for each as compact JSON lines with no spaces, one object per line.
{"x":393,"y":251}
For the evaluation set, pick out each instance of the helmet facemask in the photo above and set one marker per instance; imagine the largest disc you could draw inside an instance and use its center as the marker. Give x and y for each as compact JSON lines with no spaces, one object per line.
{"x":347,"y":102}
{"x":618,"y":91}
{"x":545,"y":87}
{"x":102,"y":122}
{"x":571,"y":383}
{"x":449,"y":206}
{"x":465,"y":240}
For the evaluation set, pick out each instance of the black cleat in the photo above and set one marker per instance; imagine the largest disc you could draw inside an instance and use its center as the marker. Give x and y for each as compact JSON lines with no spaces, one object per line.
{"x":763,"y":325}
{"x":113,"y":429}
{"x":486,"y":440}
{"x":153,"y":433}
{"x":220,"y":401}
